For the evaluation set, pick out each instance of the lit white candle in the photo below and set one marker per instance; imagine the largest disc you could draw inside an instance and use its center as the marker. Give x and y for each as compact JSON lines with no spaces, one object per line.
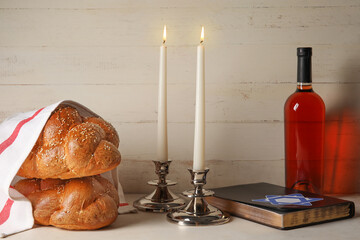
{"x":199,"y":138}
{"x":162,"y":141}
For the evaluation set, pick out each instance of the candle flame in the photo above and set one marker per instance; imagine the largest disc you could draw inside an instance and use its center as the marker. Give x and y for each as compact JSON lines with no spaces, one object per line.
{"x":202,"y":35}
{"x":164,"y":34}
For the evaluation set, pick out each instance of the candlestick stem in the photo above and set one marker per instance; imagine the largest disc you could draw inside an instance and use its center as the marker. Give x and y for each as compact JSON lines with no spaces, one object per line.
{"x":198,"y":211}
{"x":161,"y":199}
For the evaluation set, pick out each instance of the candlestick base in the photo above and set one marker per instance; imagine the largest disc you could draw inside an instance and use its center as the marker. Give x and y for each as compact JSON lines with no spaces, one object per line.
{"x":198,"y":212}
{"x":161,"y":199}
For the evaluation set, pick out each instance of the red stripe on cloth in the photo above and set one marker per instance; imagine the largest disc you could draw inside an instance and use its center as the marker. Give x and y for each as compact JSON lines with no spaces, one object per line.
{"x":5,"y":212}
{"x":123,"y":204}
{"x":4,"y":145}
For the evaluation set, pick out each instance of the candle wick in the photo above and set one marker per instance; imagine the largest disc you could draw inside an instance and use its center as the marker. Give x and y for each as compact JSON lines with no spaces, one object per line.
{"x":201,"y":41}
{"x":164,"y":41}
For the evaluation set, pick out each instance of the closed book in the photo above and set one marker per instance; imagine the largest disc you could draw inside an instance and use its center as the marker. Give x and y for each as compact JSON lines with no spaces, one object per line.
{"x":280,"y":207}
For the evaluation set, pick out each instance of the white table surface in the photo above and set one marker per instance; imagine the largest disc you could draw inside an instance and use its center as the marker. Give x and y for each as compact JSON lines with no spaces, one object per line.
{"x":149,"y":226}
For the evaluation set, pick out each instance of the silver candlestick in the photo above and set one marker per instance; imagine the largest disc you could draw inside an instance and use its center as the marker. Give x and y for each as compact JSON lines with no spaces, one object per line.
{"x":161,"y":199}
{"x":198,"y":211}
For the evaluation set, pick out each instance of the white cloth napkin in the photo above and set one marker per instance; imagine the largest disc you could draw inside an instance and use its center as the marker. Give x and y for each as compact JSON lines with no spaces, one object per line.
{"x":18,"y":135}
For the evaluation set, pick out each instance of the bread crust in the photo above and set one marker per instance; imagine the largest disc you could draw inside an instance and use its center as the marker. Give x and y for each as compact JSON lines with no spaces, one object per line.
{"x":71,"y":146}
{"x":78,"y":204}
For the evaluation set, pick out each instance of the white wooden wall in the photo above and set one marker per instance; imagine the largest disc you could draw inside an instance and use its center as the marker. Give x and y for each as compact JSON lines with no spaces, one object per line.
{"x":105,"y":55}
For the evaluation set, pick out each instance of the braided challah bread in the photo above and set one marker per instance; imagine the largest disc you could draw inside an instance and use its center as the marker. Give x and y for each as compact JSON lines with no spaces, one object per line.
{"x":72,"y":146}
{"x":80,"y":203}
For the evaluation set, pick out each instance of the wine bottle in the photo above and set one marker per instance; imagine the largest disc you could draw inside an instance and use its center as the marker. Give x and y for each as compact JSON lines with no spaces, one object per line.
{"x":304,"y":114}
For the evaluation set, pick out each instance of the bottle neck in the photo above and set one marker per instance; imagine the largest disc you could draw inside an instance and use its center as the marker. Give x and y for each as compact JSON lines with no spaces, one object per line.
{"x":304,"y":87}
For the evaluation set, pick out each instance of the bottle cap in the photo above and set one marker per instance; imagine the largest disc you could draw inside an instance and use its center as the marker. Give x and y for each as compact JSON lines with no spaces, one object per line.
{"x":304,"y":65}
{"x":304,"y":51}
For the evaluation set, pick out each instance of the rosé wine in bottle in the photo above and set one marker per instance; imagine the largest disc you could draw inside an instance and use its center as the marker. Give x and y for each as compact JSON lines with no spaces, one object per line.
{"x":304,"y":114}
